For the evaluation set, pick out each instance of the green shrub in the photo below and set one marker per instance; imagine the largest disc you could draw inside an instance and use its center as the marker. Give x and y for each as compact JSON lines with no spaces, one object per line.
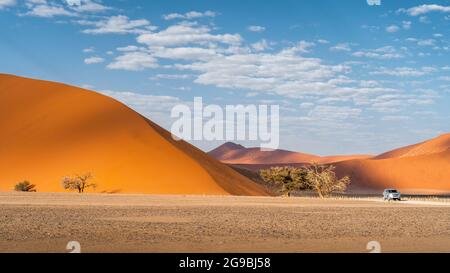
{"x":25,"y":186}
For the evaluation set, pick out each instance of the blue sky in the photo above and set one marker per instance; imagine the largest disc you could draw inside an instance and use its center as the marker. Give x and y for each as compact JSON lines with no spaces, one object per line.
{"x":349,"y":77}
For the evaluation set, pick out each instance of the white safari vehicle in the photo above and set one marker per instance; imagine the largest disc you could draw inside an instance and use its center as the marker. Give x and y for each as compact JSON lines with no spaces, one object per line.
{"x":391,"y":194}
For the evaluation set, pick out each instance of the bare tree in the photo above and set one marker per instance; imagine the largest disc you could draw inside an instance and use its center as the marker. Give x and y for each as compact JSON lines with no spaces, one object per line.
{"x":322,"y":179}
{"x":78,"y":182}
{"x":289,"y":178}
{"x":25,"y":186}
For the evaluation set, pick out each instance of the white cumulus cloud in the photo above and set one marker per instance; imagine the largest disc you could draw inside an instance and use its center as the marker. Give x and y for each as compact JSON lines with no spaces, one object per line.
{"x":182,"y":34}
{"x":406,"y":24}
{"x":48,"y":11}
{"x":341,"y":47}
{"x":93,"y":60}
{"x":256,"y":28}
{"x":423,"y":9}
{"x":382,"y":53}
{"x":189,"y":15}
{"x":119,"y":24}
{"x":7,"y":3}
{"x":392,"y":28}
{"x":403,"y":71}
{"x":134,"y":61}
{"x":86,"y":6}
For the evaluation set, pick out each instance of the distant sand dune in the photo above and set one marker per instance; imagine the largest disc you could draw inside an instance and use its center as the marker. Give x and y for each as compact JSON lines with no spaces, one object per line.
{"x":433,"y":146}
{"x":423,"y":168}
{"x":50,"y":130}
{"x":419,"y":168}
{"x":232,"y":153}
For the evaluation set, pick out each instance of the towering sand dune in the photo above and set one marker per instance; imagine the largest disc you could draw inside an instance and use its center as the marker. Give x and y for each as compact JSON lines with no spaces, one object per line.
{"x":419,"y":168}
{"x":50,"y":130}
{"x":232,"y":153}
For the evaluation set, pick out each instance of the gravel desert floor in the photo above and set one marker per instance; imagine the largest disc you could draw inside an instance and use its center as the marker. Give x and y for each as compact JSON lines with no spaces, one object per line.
{"x":46,"y":222}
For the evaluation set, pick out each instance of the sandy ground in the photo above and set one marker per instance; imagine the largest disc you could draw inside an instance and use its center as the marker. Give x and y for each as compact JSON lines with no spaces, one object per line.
{"x":46,"y":222}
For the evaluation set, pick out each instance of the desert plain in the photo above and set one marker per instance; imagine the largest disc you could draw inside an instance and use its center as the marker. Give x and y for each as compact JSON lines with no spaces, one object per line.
{"x":46,"y":222}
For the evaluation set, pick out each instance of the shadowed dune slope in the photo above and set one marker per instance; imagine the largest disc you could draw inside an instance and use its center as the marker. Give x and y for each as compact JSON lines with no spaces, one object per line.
{"x":50,"y":130}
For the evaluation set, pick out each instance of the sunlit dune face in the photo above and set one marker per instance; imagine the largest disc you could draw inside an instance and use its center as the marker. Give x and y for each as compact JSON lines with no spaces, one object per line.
{"x":51,"y":130}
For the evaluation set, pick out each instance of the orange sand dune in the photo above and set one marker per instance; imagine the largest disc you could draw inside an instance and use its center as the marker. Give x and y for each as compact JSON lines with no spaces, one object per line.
{"x":423,"y":168}
{"x":419,"y":168}
{"x":436,"y":145}
{"x":50,"y":130}
{"x":232,"y":153}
